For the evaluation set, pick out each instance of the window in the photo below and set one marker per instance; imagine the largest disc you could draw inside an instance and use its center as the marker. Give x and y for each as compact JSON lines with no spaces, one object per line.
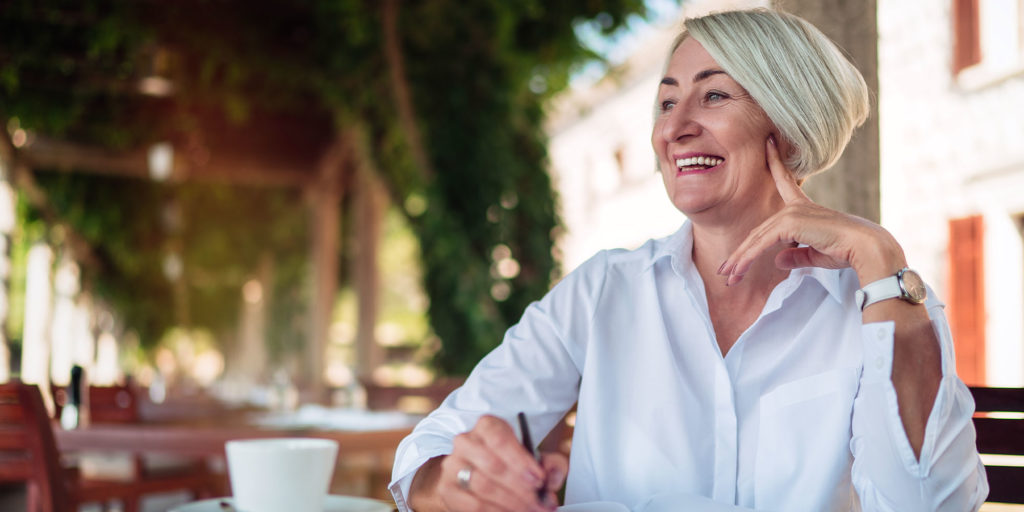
{"x":987,"y":39}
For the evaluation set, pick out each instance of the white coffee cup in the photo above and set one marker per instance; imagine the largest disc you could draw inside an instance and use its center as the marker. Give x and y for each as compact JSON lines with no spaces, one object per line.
{"x":271,"y":475}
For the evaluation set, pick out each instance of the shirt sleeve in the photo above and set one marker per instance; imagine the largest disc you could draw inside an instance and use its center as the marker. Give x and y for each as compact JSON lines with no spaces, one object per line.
{"x":949,"y":476}
{"x":536,"y":370}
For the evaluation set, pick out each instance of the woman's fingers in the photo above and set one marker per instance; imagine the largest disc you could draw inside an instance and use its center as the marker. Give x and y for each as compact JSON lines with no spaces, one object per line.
{"x":799,"y":257}
{"x":827,"y":233}
{"x":800,"y":221}
{"x":484,"y":491}
{"x":501,"y":440}
{"x":556,"y":465}
{"x":759,"y":240}
{"x":785,"y":181}
{"x":495,"y":470}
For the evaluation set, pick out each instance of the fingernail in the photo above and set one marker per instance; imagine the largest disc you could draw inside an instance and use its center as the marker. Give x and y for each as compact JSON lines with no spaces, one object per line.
{"x":532,"y":479}
{"x":550,"y":502}
{"x":554,"y":479}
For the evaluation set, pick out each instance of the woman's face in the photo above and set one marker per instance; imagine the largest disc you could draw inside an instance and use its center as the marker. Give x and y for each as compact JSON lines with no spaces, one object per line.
{"x":710,"y":140}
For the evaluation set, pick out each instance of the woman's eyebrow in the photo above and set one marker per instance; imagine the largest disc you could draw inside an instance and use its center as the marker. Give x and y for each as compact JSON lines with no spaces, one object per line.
{"x":707,"y":73}
{"x":696,"y":78}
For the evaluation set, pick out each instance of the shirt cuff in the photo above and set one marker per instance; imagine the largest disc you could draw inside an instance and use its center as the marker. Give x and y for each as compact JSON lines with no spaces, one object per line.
{"x":408,"y":460}
{"x":400,"y":490}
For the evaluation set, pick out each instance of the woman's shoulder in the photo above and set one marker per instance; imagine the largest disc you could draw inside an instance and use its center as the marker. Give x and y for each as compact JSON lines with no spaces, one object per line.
{"x":623,"y":258}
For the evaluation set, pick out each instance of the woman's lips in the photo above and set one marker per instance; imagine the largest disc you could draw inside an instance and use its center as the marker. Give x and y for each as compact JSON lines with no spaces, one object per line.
{"x":698,"y":164}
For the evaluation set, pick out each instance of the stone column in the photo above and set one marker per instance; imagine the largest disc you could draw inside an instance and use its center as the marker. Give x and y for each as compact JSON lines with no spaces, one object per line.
{"x":248,"y":360}
{"x":63,"y":349}
{"x":852,"y":184}
{"x":324,"y":199}
{"x":371,"y":203}
{"x":35,"y":344}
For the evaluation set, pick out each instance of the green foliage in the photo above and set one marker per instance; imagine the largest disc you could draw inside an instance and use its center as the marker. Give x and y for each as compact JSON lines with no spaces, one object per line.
{"x":478,"y":71}
{"x":218,"y":233}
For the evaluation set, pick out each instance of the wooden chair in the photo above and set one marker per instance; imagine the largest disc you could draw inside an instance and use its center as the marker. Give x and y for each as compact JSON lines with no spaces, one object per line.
{"x":423,"y":399}
{"x":28,"y":453}
{"x":1001,"y":434}
{"x":120,"y":404}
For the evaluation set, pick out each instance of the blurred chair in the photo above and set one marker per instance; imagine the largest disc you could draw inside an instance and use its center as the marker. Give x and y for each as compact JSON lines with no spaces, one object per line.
{"x":999,"y":422}
{"x":156,"y":472}
{"x":28,"y":453}
{"x":413,"y":399}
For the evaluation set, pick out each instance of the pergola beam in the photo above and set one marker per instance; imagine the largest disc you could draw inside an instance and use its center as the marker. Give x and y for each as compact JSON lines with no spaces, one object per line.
{"x":50,"y":154}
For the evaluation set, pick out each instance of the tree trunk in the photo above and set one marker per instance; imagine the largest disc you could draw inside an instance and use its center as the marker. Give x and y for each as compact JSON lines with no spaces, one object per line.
{"x":852,"y":184}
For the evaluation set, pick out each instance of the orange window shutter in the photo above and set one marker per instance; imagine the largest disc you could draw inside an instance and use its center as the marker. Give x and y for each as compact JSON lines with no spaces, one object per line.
{"x":967,"y":297}
{"x":966,"y":34}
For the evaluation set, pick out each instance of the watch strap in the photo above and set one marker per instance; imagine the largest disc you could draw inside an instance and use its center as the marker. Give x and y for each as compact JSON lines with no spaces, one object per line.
{"x":883,"y":289}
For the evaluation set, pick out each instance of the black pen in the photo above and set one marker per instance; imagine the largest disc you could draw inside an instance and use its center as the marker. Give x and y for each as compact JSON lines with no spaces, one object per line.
{"x":524,"y":429}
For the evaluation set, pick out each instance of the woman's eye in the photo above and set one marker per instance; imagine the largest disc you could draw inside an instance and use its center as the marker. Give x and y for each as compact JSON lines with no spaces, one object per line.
{"x":713,"y":96}
{"x":667,"y":105}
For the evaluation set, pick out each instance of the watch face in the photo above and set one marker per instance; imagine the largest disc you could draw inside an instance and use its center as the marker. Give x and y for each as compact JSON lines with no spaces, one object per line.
{"x":913,"y":285}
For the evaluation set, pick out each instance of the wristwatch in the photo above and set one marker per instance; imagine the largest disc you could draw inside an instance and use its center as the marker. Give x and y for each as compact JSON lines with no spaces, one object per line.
{"x":906,"y":285}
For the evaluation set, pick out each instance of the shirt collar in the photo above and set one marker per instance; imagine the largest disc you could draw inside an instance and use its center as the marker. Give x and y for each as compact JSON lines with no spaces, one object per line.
{"x":678,"y":247}
{"x":828,"y":278}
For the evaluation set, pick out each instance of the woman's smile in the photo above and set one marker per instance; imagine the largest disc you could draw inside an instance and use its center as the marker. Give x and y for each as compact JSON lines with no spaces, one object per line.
{"x":697,"y":163}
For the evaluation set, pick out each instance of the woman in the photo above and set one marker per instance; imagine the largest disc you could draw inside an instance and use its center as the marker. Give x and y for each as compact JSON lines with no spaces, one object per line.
{"x":763,"y":357}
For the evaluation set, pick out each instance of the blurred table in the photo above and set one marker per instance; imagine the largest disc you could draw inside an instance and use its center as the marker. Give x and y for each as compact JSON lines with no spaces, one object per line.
{"x":366,"y":439}
{"x":208,"y":440}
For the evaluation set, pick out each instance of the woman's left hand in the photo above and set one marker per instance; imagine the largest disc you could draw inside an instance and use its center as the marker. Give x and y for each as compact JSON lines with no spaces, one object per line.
{"x":833,"y":239}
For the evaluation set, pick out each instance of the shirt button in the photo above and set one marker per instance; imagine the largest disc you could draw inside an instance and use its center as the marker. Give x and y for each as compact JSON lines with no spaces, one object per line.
{"x":881,"y":334}
{"x":879,"y":362}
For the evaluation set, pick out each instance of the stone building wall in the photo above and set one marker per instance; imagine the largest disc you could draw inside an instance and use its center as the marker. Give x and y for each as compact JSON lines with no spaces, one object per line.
{"x":953,"y":147}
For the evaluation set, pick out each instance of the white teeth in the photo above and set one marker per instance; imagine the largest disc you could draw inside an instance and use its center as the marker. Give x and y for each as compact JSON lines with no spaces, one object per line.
{"x":708,"y":161}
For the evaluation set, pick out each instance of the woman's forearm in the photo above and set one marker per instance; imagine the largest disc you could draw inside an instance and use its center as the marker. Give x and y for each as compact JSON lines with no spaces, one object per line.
{"x":916,"y":359}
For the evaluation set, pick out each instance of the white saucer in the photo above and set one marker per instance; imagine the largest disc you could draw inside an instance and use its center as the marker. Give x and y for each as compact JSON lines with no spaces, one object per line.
{"x":332,"y":503}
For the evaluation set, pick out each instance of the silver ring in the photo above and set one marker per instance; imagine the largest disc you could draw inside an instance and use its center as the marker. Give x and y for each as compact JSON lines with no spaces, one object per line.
{"x":463,"y":477}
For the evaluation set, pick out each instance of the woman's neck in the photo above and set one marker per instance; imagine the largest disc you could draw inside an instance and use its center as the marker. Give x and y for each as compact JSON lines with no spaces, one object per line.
{"x":713,"y":243}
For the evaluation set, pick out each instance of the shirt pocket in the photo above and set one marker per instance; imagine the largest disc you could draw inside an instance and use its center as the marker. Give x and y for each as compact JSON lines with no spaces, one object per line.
{"x":803,"y":443}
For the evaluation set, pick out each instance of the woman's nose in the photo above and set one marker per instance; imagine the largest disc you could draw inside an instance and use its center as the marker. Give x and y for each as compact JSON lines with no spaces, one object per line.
{"x":680,"y":124}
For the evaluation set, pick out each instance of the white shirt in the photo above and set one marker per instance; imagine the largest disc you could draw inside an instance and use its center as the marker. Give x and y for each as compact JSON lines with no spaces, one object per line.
{"x":800,"y":415}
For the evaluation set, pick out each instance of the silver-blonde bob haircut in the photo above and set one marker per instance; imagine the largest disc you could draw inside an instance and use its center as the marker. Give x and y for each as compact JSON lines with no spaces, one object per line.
{"x":807,"y":87}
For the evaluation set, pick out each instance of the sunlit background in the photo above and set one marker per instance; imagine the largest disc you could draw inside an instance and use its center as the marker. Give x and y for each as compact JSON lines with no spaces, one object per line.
{"x":332,"y":199}
{"x":950,"y":176}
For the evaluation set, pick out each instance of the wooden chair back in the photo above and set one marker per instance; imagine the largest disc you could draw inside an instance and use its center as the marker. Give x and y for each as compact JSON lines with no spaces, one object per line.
{"x":28,"y":452}
{"x":999,"y":422}
{"x":103,"y":404}
{"x":381,"y":397}
{"x":113,"y":404}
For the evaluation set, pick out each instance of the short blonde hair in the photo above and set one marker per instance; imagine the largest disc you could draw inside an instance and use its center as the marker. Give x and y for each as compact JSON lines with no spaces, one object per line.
{"x":807,"y":87}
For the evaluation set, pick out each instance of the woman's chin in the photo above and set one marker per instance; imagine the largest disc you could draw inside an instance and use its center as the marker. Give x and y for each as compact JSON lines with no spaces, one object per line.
{"x":692,"y":201}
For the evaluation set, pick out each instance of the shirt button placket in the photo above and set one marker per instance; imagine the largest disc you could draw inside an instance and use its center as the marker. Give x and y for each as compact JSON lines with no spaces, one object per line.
{"x":725,"y":436}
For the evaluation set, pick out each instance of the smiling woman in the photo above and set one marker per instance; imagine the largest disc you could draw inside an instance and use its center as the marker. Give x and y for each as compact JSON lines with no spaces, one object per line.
{"x":769,"y":355}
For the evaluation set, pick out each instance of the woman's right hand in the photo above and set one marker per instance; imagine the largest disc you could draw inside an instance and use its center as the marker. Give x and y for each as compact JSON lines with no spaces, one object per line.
{"x":488,"y":469}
